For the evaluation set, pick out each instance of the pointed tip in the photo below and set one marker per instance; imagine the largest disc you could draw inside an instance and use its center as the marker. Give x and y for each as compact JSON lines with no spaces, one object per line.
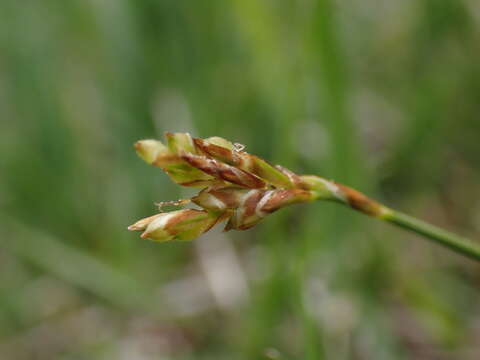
{"x":135,"y":227}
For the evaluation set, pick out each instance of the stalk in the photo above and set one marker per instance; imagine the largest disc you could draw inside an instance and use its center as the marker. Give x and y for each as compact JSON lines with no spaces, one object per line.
{"x":362,"y":203}
{"x":450,"y":240}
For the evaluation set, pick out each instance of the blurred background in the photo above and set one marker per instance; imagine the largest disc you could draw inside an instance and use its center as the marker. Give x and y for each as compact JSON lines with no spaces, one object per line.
{"x":381,"y":95}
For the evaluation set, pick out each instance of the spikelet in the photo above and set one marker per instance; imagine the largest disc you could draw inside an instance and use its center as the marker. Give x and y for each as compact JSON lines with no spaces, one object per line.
{"x":185,"y":224}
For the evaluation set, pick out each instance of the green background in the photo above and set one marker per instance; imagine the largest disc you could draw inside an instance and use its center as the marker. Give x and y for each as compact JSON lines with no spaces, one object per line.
{"x":381,"y":95}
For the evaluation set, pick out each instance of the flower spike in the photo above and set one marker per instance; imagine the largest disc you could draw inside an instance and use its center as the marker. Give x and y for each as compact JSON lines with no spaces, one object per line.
{"x":236,"y":186}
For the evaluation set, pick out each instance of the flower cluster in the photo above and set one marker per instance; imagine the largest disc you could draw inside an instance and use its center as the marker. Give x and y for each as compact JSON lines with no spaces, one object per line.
{"x":238,"y":187}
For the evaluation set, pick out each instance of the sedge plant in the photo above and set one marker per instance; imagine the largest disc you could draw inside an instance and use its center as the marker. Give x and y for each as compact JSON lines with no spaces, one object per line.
{"x":242,"y":189}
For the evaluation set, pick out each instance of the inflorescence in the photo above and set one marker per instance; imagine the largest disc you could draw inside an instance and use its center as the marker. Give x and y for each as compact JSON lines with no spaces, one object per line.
{"x":236,"y":187}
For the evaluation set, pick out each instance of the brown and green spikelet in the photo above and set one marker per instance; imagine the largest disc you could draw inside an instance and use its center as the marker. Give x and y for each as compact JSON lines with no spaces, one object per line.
{"x":236,"y":186}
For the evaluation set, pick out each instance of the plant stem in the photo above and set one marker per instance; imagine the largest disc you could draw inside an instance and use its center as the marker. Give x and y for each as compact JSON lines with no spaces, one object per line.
{"x":455,"y":242}
{"x":343,"y":194}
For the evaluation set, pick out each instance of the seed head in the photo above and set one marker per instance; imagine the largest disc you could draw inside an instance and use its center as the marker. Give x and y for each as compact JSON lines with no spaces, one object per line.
{"x":236,"y":186}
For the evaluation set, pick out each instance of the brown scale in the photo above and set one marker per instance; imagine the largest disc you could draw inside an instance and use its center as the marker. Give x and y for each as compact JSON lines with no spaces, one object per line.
{"x":224,"y":171}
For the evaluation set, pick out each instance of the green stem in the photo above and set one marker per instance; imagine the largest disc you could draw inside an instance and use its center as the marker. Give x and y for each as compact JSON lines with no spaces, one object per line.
{"x":330,"y":190}
{"x":452,"y":241}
